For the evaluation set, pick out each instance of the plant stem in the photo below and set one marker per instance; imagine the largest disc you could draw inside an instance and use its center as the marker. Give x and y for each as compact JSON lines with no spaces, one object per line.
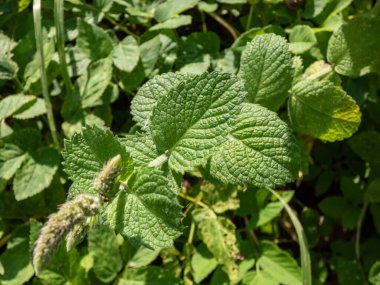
{"x":225,"y":24}
{"x":60,"y":31}
{"x":193,"y":200}
{"x":41,"y":59}
{"x":249,"y":21}
{"x":359,"y":228}
{"x":191,"y":234}
{"x":204,"y":25}
{"x":160,"y":160}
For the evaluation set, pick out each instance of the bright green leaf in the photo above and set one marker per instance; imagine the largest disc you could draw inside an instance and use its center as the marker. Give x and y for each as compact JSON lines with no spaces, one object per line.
{"x":151,"y":275}
{"x":126,"y":54}
{"x":322,"y":110}
{"x":260,"y":150}
{"x":173,"y":23}
{"x":171,"y":8}
{"x":12,"y":103}
{"x":301,"y":39}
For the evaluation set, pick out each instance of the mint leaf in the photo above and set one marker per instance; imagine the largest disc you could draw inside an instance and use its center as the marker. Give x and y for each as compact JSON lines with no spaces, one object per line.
{"x":37,"y":109}
{"x":322,"y":110}
{"x":87,"y":152}
{"x":141,"y":147}
{"x":36,"y":174}
{"x":93,"y":41}
{"x":202,"y":263}
{"x":126,"y":54}
{"x":147,"y":211}
{"x":279,"y":264}
{"x":351,"y":57}
{"x":266,"y":68}
{"x":92,"y":84}
{"x":301,"y":39}
{"x":146,"y":98}
{"x":150,"y":275}
{"x":103,"y":247}
{"x":218,"y":233}
{"x":195,"y":117}
{"x":12,"y":103}
{"x":171,"y":8}
{"x":260,"y":150}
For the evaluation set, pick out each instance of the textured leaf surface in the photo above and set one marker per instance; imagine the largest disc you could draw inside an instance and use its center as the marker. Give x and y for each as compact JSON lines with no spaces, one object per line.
{"x":36,"y":174}
{"x":146,"y":98}
{"x":147,"y":212}
{"x":195,"y":117}
{"x":103,"y":247}
{"x":351,"y":57}
{"x":266,"y":68}
{"x":86,"y":153}
{"x":141,"y":147}
{"x":126,"y":54}
{"x":260,"y":150}
{"x":322,"y":110}
{"x":149,"y":276}
{"x":11,"y":104}
{"x":218,"y":234}
{"x":93,"y":41}
{"x":279,"y":264}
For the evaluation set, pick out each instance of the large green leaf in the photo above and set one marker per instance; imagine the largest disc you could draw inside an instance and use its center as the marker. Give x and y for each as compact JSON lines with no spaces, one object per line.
{"x":87,"y":152}
{"x":351,"y":57}
{"x":146,"y":98}
{"x":36,"y":174}
{"x":218,"y":233}
{"x":266,"y":68}
{"x":260,"y":150}
{"x":322,"y":110}
{"x":141,"y":147}
{"x":103,"y":247}
{"x":195,"y":117}
{"x":126,"y":54}
{"x":147,"y":211}
{"x":151,"y":275}
{"x":279,"y":264}
{"x":11,"y":104}
{"x":93,"y":41}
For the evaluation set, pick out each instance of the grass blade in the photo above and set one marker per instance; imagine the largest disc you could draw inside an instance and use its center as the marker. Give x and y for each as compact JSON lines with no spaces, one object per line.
{"x":304,"y":248}
{"x":60,"y":31}
{"x":44,"y":83}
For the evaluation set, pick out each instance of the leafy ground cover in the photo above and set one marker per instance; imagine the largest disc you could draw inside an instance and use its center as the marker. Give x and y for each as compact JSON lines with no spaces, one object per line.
{"x":189,"y":142}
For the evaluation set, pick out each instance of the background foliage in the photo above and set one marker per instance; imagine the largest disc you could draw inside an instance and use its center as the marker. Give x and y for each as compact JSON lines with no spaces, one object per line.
{"x":323,"y":82}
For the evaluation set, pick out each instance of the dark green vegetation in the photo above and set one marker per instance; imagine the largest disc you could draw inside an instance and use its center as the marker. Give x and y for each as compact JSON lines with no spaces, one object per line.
{"x":190,"y":142}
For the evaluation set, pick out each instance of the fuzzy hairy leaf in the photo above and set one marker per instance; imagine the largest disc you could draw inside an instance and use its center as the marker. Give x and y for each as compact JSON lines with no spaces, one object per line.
{"x":322,"y":110}
{"x":195,"y":117}
{"x":141,"y":147}
{"x":147,"y":212}
{"x":218,"y":233}
{"x":260,"y":150}
{"x":266,"y":68}
{"x":86,"y":153}
{"x":146,"y":98}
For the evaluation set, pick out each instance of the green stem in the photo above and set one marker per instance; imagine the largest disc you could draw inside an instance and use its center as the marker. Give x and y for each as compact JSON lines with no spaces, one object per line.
{"x":60,"y":30}
{"x":249,"y":21}
{"x":225,"y":24}
{"x":160,"y":160}
{"x":204,"y":25}
{"x":191,"y":234}
{"x":358,"y":230}
{"x":193,"y":200}
{"x":44,"y":81}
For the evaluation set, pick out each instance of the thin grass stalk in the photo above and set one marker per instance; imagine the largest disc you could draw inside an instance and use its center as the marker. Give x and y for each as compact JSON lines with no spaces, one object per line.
{"x":60,"y":32}
{"x":41,"y":59}
{"x":302,"y":240}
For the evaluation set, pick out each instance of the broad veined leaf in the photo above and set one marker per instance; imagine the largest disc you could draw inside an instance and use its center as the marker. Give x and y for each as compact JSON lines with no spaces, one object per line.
{"x":260,"y":150}
{"x":141,"y":147}
{"x":86,"y":153}
{"x":173,"y":23}
{"x":218,"y":233}
{"x":195,"y":117}
{"x":150,"y":275}
{"x":147,"y":211}
{"x":146,"y":98}
{"x":92,"y":84}
{"x":36,"y":174}
{"x":171,"y":8}
{"x":322,"y":110}
{"x":12,"y":103}
{"x":93,"y":41}
{"x":126,"y":54}
{"x":351,"y":57}
{"x":103,"y":247}
{"x":279,"y":264}
{"x":266,"y":68}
